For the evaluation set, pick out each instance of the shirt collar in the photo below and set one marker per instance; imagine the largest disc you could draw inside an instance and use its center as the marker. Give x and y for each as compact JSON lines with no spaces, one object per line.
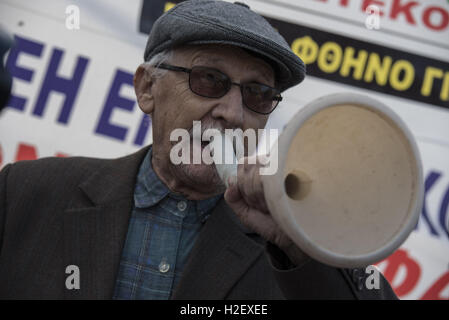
{"x":150,"y":190}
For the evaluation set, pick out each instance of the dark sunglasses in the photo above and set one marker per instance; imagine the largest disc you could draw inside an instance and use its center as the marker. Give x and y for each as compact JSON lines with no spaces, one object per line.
{"x":211,"y":83}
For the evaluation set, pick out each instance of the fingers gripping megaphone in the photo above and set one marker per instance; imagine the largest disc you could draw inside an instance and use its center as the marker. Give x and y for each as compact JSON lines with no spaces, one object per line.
{"x":349,"y":188}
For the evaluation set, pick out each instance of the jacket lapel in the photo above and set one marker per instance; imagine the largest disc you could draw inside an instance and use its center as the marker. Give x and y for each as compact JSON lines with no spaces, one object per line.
{"x":95,"y":227}
{"x":96,"y":223}
{"x":221,"y":255}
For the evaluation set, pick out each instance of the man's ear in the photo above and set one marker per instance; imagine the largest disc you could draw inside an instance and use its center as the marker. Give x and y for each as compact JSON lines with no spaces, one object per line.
{"x":143,"y":85}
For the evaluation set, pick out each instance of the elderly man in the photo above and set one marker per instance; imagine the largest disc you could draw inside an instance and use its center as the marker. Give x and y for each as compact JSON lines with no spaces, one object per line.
{"x":142,"y":227}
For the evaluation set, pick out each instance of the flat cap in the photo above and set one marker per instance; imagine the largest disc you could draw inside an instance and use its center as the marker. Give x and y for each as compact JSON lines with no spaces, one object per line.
{"x":221,"y":22}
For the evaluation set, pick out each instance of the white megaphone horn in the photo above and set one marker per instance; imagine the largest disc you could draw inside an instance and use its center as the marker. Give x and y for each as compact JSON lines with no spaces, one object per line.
{"x":349,"y":188}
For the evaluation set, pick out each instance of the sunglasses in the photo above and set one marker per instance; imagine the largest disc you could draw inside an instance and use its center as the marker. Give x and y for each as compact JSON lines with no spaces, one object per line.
{"x":211,"y":83}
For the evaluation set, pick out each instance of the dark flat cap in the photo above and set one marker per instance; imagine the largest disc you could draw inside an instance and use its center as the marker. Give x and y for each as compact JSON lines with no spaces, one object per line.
{"x":220,"y":22}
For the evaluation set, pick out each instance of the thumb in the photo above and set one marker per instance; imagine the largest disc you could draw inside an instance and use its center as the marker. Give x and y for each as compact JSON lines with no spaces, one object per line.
{"x":235,"y":199}
{"x":232,"y":194}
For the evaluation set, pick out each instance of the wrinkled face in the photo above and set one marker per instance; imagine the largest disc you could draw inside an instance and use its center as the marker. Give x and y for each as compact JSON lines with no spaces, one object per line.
{"x":173,"y":105}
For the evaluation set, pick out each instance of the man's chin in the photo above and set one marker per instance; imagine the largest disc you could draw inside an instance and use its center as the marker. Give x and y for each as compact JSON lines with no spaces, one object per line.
{"x":204,"y":177}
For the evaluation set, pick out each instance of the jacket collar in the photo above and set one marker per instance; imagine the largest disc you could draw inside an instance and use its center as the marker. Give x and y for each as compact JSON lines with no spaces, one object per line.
{"x":96,"y":223}
{"x":114,"y":180}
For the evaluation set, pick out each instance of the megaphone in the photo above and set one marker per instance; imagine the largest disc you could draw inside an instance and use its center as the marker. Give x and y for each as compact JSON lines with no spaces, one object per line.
{"x":349,"y":189}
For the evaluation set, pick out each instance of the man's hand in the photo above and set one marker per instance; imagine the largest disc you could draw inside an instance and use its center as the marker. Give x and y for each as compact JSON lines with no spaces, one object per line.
{"x":246,"y":198}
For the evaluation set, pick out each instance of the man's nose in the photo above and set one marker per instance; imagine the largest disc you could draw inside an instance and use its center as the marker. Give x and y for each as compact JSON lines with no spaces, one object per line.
{"x":230,"y":108}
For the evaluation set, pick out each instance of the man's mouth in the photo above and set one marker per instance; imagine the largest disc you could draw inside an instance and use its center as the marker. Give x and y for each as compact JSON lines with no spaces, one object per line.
{"x":201,"y":143}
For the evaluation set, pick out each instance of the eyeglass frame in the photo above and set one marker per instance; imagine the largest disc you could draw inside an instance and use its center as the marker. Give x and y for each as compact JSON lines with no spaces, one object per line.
{"x":169,"y":67}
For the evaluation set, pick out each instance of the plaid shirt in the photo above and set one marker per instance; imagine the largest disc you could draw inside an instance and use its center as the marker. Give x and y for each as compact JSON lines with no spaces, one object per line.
{"x":162,"y":231}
